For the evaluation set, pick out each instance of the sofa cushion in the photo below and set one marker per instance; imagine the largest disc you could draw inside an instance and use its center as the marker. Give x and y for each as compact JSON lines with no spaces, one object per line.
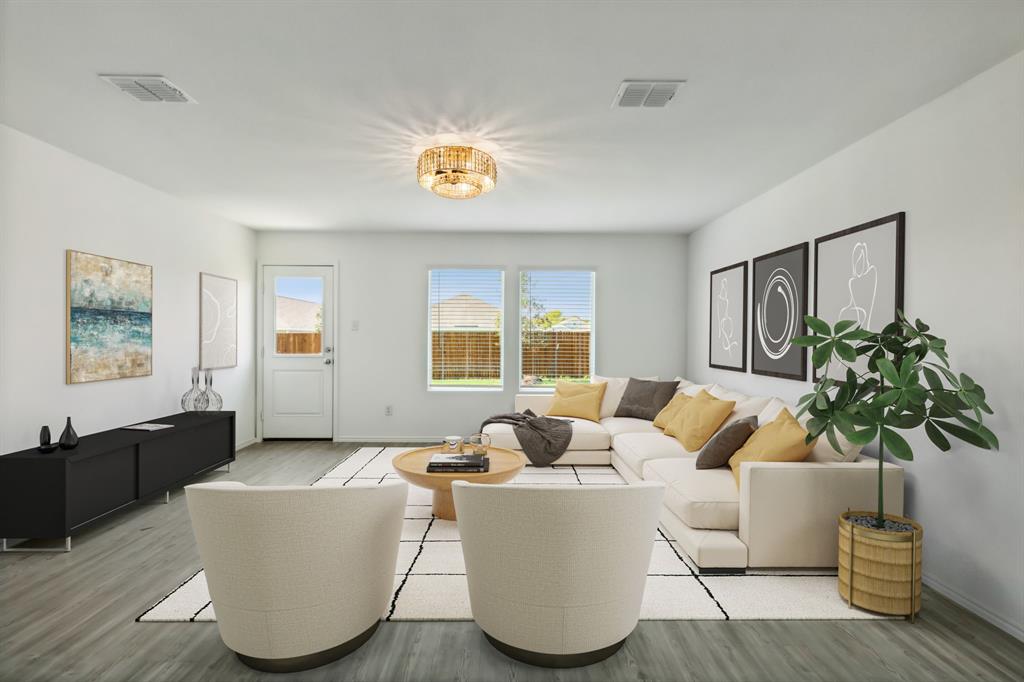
{"x":618,"y":425}
{"x":823,"y":450}
{"x":614,"y":388}
{"x":582,"y":401}
{"x":645,"y":399}
{"x":781,"y":440}
{"x":586,"y":435}
{"x":701,"y":498}
{"x":699,"y":420}
{"x":727,"y":441}
{"x":636,"y":448}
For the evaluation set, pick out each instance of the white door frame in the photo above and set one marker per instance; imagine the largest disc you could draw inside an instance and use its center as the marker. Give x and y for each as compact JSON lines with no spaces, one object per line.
{"x":260,"y":321}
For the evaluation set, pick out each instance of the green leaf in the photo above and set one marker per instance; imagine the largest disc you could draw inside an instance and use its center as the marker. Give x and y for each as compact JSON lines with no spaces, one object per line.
{"x":862,"y":437}
{"x":821,"y":354}
{"x":916,"y":394}
{"x":817,"y":325}
{"x":907,"y":368}
{"x":842,"y":326}
{"x":921,"y":326}
{"x":806,"y":397}
{"x":815,"y":426}
{"x":963,"y":433}
{"x":937,"y":437}
{"x":896,"y":444}
{"x":966,"y":382}
{"x":932,"y":377}
{"x":856,"y":335}
{"x":905,"y":421}
{"x":845,"y":351}
{"x":809,"y":341}
{"x":952,"y":378}
{"x":888,"y":371}
{"x":888,"y":398}
{"x":989,"y":437}
{"x":830,"y":433}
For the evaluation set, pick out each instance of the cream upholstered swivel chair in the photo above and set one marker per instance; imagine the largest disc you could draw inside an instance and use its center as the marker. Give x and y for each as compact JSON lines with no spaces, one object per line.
{"x":557,"y":573}
{"x":299,"y":576}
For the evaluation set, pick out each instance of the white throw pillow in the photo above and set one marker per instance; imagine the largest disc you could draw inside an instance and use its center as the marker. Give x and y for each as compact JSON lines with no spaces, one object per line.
{"x":683,"y":383}
{"x":693,"y":389}
{"x":613,"y":392}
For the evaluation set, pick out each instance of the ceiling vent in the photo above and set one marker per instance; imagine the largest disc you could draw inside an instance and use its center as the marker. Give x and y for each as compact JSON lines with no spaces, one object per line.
{"x":646,"y":93}
{"x":148,"y":88}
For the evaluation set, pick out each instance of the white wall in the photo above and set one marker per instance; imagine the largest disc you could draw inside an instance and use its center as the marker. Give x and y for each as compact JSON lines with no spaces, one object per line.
{"x":382,"y":282}
{"x":51,"y":201}
{"x":956,"y":166}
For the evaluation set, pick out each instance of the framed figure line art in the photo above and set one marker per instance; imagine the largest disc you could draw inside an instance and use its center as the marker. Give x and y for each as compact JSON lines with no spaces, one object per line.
{"x":858,"y":275}
{"x":727,"y":336}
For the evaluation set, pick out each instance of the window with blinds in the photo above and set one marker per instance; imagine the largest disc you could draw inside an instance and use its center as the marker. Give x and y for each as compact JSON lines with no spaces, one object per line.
{"x":464,"y":345}
{"x":556,"y":327}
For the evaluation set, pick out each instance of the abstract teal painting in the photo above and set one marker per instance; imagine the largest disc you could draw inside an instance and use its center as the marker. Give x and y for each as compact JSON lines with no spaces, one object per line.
{"x":109,"y":318}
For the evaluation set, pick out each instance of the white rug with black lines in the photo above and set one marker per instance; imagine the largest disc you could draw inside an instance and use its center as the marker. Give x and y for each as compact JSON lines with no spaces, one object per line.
{"x":430,"y":577}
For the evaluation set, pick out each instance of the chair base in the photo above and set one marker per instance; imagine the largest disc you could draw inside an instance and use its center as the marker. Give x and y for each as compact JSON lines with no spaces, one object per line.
{"x":555,"y":660}
{"x":308,"y":661}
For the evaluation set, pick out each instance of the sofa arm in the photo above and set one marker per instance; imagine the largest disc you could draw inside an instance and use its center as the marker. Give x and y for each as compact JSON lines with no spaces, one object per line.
{"x":538,"y":402}
{"x":789,"y":510}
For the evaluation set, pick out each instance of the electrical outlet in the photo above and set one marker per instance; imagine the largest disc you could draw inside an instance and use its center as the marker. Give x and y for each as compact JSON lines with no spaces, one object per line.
{"x":389,"y":411}
{"x":355,"y":325}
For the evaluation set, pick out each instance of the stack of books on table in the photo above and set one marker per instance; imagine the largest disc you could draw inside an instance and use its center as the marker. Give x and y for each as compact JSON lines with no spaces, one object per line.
{"x":463,"y":464}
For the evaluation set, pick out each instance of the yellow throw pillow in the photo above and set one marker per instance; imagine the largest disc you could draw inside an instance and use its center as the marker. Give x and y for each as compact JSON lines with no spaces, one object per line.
{"x":780,"y":440}
{"x":694,"y":425}
{"x":664,"y":417}
{"x":582,"y":401}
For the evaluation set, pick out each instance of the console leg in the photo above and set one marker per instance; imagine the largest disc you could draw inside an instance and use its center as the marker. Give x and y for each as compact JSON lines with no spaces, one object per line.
{"x":5,"y":549}
{"x":167,"y":497}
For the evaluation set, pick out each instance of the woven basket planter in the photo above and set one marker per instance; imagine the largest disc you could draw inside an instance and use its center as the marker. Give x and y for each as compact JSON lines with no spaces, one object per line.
{"x":884,"y":567}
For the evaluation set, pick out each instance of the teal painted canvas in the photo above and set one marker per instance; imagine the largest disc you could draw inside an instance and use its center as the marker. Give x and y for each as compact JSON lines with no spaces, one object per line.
{"x":109,"y":318}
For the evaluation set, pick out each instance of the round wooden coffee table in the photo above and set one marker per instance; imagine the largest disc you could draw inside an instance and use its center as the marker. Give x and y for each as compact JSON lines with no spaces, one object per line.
{"x":412,"y":466}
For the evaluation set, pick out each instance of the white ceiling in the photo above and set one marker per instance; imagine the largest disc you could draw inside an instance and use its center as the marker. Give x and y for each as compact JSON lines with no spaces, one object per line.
{"x":310,"y":115}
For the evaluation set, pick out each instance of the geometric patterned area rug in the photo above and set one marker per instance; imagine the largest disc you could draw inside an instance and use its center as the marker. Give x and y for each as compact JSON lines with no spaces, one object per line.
{"x":430,"y":579}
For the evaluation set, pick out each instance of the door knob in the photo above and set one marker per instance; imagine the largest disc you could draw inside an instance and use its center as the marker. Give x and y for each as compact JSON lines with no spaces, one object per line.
{"x":328,"y":361}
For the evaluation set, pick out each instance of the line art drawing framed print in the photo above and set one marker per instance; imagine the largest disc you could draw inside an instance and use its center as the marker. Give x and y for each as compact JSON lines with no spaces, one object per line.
{"x":858,"y":275}
{"x":727,"y":335}
{"x":218,"y":321}
{"x":779,"y":307}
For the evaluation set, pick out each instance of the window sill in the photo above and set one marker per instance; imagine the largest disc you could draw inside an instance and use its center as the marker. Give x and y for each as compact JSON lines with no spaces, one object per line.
{"x":465,"y":389}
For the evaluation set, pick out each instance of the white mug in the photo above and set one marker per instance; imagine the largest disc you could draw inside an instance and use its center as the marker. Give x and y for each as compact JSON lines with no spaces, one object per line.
{"x":453,"y":444}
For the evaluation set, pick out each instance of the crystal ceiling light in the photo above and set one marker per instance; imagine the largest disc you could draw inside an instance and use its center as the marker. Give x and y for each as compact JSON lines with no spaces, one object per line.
{"x":456,"y":172}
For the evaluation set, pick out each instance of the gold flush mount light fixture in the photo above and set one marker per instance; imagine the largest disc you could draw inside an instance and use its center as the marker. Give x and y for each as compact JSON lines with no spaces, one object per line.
{"x":456,"y":172}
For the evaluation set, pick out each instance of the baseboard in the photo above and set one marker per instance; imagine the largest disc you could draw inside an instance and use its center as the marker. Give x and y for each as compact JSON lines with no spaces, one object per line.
{"x":983,"y":612}
{"x":245,"y":443}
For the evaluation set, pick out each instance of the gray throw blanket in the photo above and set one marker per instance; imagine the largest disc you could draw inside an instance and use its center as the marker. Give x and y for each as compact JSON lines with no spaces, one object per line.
{"x":543,"y":439}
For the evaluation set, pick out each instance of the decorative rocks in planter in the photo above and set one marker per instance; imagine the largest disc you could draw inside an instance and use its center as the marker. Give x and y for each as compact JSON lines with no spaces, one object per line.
{"x":882,"y":565}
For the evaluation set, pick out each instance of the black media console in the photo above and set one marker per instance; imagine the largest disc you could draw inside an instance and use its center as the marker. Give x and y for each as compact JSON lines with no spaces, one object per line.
{"x":56,"y":494}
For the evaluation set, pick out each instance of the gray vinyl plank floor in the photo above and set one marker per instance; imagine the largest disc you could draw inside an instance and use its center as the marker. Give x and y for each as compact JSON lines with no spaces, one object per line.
{"x":72,"y":617}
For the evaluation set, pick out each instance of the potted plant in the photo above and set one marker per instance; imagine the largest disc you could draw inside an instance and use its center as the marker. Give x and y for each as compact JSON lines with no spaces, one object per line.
{"x":894,"y":380}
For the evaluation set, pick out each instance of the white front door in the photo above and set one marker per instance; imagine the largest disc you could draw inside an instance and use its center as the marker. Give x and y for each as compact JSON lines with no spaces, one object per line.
{"x":298,"y":351}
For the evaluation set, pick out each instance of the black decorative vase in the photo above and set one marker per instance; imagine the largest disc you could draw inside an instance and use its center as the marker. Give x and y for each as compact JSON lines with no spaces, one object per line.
{"x":68,"y":439}
{"x":44,"y":440}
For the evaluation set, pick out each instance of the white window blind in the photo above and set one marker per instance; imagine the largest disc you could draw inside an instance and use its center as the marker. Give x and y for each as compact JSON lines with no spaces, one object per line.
{"x":556,"y":326}
{"x":464,"y":346}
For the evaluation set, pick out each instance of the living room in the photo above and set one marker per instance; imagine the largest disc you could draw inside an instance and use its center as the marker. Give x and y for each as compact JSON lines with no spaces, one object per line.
{"x":451,"y":340}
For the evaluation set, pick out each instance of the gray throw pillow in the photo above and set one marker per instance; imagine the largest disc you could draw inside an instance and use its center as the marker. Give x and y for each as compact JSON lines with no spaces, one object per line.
{"x":726,"y":442}
{"x":644,"y":399}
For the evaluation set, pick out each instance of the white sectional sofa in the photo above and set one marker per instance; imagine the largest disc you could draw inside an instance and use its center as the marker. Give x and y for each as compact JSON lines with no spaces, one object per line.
{"x":782,"y":515}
